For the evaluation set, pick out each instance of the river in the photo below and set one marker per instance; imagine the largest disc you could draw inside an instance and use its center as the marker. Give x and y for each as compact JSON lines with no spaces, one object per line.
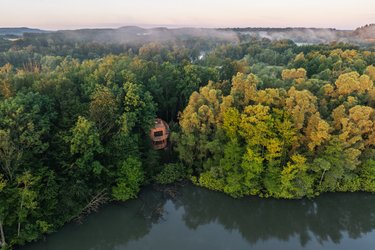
{"x":194,"y":218}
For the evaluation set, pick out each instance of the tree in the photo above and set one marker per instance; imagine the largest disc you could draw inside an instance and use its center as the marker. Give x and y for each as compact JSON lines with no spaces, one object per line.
{"x":9,"y":155}
{"x":271,"y":97}
{"x":295,"y":181}
{"x":257,"y":128}
{"x":370,"y":71}
{"x":358,"y":127}
{"x":300,"y":105}
{"x":103,"y":110}
{"x":139,"y":104}
{"x":294,"y":74}
{"x":243,"y":89}
{"x":130,"y":176}
{"x":85,"y":145}
{"x":331,"y":165}
{"x":198,"y":124}
{"x":252,"y":167}
{"x":27,"y":198}
{"x":353,"y":82}
{"x":25,"y":122}
{"x":367,"y":175}
{"x":230,"y":167}
{"x":231,"y":122}
{"x":317,"y":131}
{"x":3,"y":184}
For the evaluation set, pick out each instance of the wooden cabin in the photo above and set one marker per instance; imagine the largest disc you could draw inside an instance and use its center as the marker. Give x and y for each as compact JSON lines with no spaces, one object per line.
{"x":159,"y":134}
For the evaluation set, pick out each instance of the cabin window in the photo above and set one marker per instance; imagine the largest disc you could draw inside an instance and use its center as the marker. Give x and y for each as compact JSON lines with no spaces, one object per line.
{"x":158,"y":133}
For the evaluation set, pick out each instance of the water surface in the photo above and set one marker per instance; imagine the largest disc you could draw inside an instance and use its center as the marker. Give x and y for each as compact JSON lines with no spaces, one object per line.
{"x":194,"y":218}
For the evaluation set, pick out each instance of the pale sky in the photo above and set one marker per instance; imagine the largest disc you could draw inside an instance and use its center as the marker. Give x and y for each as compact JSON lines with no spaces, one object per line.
{"x":72,"y":14}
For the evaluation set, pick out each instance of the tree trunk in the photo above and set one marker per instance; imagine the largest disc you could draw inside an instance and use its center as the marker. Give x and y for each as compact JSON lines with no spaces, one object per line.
{"x":19,"y":221}
{"x":2,"y":236}
{"x":321,"y":178}
{"x":19,"y":229}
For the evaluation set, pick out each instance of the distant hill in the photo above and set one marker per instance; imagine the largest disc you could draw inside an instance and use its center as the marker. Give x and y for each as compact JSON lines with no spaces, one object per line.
{"x":19,"y":31}
{"x":133,"y":34}
{"x":138,"y":35}
{"x":366,"y":32}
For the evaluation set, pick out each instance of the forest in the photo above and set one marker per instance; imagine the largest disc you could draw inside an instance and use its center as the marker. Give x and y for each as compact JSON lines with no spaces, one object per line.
{"x":247,"y":117}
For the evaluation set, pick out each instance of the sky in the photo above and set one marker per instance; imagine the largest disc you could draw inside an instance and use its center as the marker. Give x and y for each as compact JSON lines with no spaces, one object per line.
{"x":73,"y":14}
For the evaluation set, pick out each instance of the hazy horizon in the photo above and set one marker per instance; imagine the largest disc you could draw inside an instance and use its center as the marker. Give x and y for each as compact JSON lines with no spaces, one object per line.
{"x":70,"y":14}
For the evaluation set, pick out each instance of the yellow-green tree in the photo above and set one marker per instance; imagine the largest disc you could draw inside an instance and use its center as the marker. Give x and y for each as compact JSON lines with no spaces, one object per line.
{"x":352,"y":82}
{"x":370,"y":71}
{"x":244,"y":89}
{"x":294,"y":74}
{"x":317,"y":131}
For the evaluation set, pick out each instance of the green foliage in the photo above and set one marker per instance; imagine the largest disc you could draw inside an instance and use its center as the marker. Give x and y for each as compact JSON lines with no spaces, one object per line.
{"x":209,"y":180}
{"x":138,"y":105}
{"x":171,"y":173}
{"x":2,"y":183}
{"x":130,"y":177}
{"x":85,"y":142}
{"x":295,"y":181}
{"x":368,"y":175}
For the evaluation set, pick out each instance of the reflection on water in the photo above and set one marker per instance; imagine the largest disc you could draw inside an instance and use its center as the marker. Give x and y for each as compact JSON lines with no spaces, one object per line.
{"x":200,"y":219}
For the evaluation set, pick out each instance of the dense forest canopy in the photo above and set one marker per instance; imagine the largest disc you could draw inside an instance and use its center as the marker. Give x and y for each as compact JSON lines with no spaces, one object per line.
{"x":249,"y":117}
